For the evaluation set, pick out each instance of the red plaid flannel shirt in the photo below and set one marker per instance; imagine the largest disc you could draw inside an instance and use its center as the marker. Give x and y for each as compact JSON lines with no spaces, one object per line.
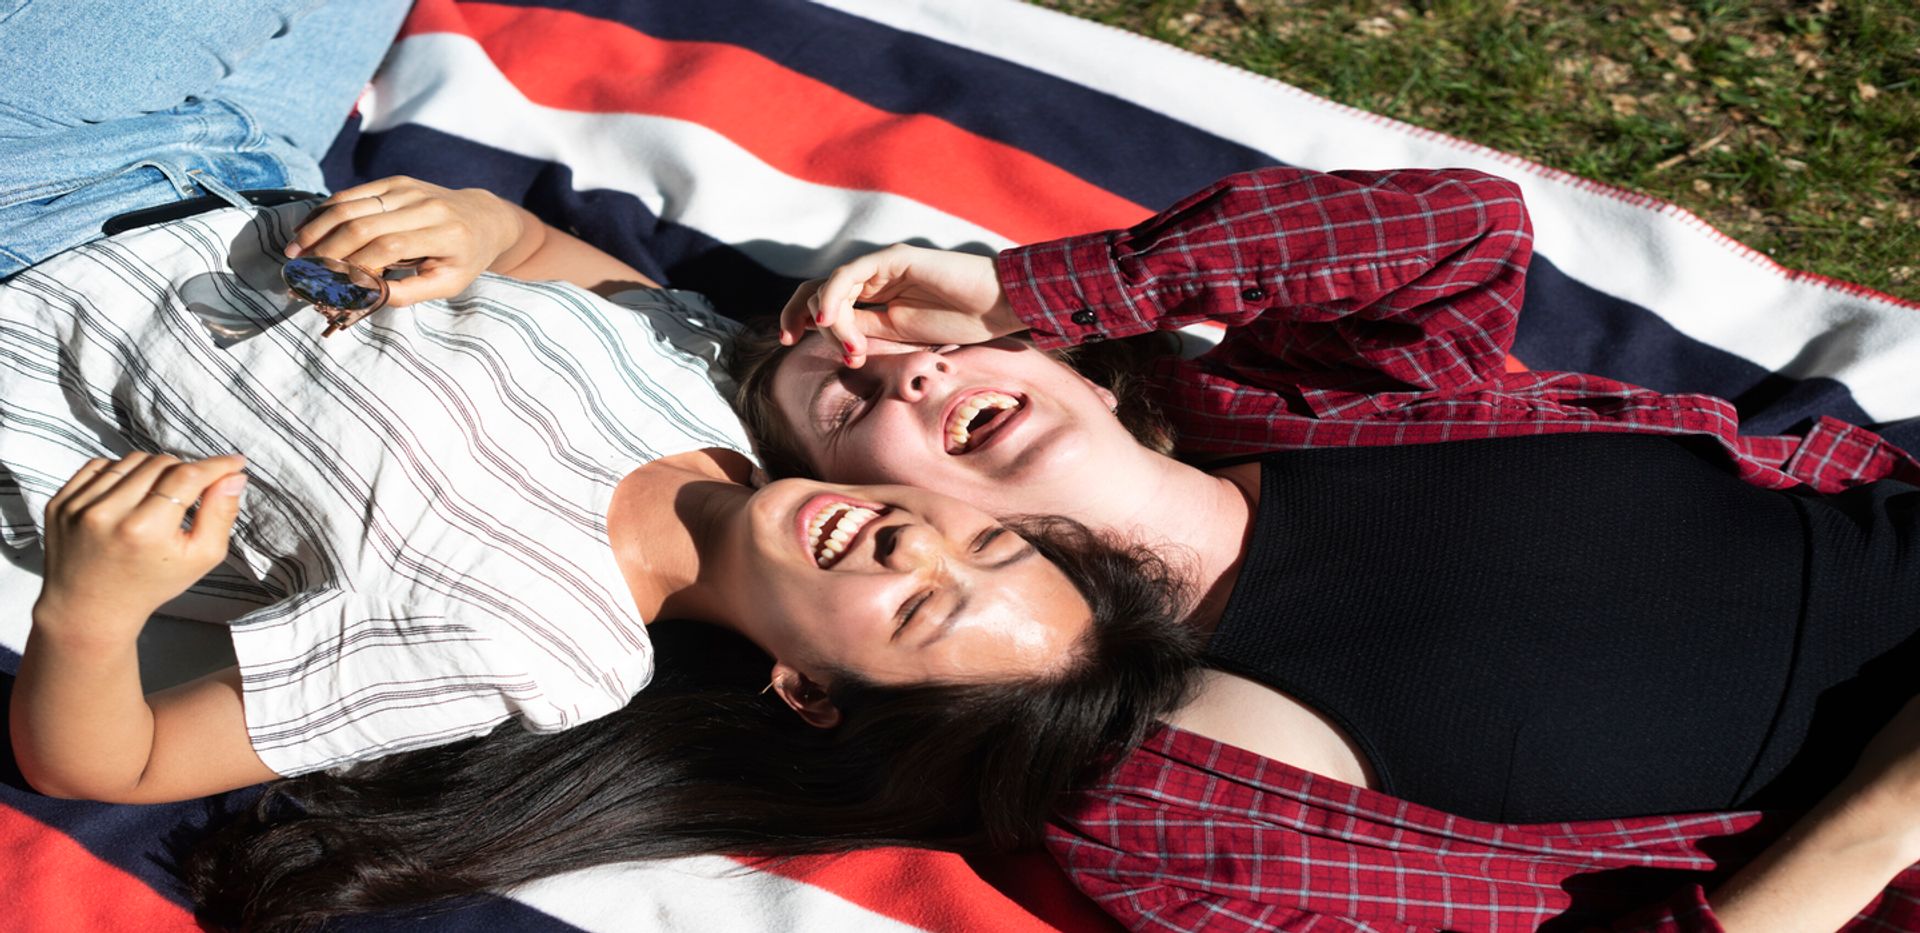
{"x":1368,"y":308}
{"x":1376,"y":308}
{"x":1189,"y":834}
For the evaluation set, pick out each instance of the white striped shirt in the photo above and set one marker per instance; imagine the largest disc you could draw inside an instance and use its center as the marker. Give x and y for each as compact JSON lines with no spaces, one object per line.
{"x":422,"y":551}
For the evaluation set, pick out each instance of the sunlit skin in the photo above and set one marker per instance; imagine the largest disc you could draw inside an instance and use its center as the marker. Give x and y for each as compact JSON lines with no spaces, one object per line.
{"x":932,"y":589}
{"x":1065,"y":452}
{"x":885,"y":421}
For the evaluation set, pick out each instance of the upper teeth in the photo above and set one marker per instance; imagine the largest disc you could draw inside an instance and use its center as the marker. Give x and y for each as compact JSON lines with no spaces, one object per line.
{"x":827,"y":546}
{"x":958,"y":432}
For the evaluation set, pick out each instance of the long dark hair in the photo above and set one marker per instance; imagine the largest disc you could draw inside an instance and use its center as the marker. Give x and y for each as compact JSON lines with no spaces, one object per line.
{"x":701,"y":762}
{"x":1123,"y":367}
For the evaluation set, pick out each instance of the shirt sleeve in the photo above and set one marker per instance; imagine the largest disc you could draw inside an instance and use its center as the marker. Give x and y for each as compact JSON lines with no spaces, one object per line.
{"x":332,"y":677}
{"x":1414,"y":275}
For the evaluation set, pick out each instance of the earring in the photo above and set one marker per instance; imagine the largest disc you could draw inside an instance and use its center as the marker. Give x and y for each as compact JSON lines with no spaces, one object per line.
{"x":769,"y":687}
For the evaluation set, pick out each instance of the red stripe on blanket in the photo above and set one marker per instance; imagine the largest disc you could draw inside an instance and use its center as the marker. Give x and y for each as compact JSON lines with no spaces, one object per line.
{"x":53,"y":883}
{"x":939,"y":892}
{"x":836,"y":140}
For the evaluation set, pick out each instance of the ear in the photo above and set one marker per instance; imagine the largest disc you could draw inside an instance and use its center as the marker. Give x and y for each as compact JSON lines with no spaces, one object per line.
{"x":1106,"y":395}
{"x":804,"y":696}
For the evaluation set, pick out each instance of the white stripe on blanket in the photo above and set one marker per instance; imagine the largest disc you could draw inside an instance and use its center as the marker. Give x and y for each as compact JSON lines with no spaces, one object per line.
{"x":709,"y":894}
{"x":684,"y":172}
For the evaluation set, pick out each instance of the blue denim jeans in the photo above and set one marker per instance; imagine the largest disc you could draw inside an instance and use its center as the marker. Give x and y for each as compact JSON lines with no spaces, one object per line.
{"x":108,"y":106}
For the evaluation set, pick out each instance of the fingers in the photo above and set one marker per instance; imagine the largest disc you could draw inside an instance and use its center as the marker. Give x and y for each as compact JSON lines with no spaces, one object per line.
{"x":376,"y":240}
{"x":805,"y":310}
{"x":863,"y":297}
{"x":219,"y":506}
{"x":175,"y":482}
{"x":373,"y":198}
{"x":141,"y":482}
{"x":833,"y":304}
{"x":77,"y":485}
{"x":452,"y":236}
{"x":95,"y":480}
{"x":435,"y":280}
{"x":797,"y":316}
{"x":343,"y":224}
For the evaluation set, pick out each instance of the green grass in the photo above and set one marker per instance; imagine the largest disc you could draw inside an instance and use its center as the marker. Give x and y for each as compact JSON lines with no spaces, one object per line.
{"x":1794,"y":127}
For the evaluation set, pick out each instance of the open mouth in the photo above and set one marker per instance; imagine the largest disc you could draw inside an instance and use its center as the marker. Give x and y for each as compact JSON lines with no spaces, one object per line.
{"x":832,"y":528}
{"x":976,"y":418}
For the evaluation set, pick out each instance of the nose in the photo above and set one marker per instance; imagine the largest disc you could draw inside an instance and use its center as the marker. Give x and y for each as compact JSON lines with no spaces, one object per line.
{"x":908,"y":547}
{"x":910,"y":376}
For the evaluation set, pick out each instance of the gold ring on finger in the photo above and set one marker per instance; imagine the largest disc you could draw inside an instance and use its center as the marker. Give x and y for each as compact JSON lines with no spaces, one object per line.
{"x":376,"y":200}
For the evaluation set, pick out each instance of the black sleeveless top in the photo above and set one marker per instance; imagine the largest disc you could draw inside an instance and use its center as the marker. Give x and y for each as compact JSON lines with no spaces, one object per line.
{"x":1578,"y":626}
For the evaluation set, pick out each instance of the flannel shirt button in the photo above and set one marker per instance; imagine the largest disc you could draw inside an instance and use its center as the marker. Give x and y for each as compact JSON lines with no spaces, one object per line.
{"x":1255,"y":293}
{"x":1085,"y":318}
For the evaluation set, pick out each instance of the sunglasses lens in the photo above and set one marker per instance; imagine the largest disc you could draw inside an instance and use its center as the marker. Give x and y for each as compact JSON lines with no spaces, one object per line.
{"x":333,"y":284}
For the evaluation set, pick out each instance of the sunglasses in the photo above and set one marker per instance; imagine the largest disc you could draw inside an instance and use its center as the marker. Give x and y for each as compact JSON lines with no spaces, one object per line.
{"x":341,"y":291}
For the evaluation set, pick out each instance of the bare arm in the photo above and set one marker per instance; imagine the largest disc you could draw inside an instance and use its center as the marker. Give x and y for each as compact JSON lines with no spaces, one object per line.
{"x":1840,"y":855}
{"x":115,"y":552}
{"x":544,"y":252}
{"x":82,"y":730}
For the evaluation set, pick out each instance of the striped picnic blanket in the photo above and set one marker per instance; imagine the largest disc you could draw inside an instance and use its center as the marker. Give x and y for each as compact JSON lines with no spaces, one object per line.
{"x":735,"y":146}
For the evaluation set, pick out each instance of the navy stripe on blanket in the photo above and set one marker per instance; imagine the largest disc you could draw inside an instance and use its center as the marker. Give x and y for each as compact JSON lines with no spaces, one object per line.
{"x":1141,"y":155}
{"x":1567,"y":325}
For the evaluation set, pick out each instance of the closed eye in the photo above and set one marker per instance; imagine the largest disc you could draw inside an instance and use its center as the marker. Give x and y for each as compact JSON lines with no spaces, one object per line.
{"x":845,"y":412}
{"x":987,"y":537}
{"x":837,"y":413}
{"x":911,"y":608}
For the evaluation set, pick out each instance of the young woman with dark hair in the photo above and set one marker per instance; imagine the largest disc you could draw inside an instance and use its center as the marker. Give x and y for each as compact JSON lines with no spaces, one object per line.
{"x":1519,"y":626}
{"x":703,"y":762}
{"x":466,"y":517}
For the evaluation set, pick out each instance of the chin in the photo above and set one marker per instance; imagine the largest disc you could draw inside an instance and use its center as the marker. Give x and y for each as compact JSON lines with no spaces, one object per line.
{"x":1064,"y":452}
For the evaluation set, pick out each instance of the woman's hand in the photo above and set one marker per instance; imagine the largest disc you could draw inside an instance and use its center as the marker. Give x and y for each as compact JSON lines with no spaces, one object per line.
{"x":115,"y":549}
{"x":79,"y":724}
{"x":925,"y":296}
{"x":452,"y":235}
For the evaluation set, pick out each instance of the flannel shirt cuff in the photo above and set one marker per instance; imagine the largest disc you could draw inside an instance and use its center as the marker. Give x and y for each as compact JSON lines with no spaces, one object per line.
{"x":1070,"y":291}
{"x":1836,"y":455}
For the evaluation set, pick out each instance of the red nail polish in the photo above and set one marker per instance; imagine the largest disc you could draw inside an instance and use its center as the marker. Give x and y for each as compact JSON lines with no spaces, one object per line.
{"x":848,"y":344}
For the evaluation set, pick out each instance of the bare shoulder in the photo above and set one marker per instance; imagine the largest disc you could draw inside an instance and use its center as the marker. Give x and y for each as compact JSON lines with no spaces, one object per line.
{"x":1250,"y":715}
